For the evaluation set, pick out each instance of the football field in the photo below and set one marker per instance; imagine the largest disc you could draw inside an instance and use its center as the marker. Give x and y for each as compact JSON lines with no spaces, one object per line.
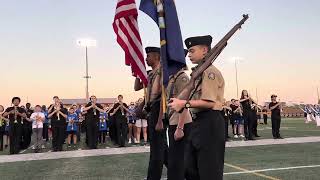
{"x":275,"y":159}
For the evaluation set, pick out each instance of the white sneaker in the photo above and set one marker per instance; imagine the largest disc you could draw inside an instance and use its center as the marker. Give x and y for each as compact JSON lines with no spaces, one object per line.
{"x":236,"y":136}
{"x":129,"y":141}
{"x":242,"y":136}
{"x":43,"y":147}
{"x":135,"y":140}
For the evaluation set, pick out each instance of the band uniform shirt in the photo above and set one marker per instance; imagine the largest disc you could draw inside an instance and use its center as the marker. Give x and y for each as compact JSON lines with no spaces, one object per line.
{"x":90,"y":115}
{"x":12,"y":116}
{"x":119,"y":112}
{"x":54,"y":117}
{"x":275,"y":113}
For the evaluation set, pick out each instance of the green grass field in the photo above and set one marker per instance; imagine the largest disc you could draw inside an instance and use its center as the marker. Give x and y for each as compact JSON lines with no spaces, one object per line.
{"x":134,"y":166}
{"x":237,"y":159}
{"x":289,"y":128}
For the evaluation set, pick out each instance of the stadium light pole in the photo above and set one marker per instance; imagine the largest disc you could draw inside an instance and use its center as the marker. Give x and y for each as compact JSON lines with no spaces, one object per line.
{"x":236,"y":59}
{"x":87,"y":43}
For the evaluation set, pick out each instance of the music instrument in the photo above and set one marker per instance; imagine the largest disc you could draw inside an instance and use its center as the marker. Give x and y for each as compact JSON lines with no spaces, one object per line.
{"x":15,"y":114}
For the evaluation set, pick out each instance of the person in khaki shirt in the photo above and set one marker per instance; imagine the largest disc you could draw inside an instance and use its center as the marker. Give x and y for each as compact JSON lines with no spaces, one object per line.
{"x":158,"y":142}
{"x":205,"y":150}
{"x":179,"y":127}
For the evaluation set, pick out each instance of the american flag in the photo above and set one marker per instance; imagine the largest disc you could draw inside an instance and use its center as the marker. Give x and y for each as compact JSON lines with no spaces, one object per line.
{"x":125,"y":26}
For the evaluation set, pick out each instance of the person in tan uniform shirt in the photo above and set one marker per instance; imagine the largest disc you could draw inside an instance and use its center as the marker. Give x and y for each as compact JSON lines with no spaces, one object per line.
{"x":158,"y":141}
{"x":205,"y":150}
{"x":179,"y":127}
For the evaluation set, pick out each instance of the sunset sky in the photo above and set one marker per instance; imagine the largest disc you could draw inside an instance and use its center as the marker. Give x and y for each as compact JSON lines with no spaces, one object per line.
{"x":279,"y":46}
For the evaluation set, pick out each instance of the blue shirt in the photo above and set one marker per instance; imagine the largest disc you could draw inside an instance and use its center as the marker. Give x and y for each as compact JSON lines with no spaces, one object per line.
{"x":103,"y":121}
{"x":46,"y":120}
{"x":130,"y":115}
{"x":74,"y":126}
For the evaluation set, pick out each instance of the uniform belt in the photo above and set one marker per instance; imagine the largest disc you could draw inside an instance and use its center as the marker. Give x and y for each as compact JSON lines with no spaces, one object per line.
{"x":195,"y":114}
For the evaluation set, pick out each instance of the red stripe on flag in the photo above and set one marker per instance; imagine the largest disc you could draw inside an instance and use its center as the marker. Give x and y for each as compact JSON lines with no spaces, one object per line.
{"x":128,"y":37}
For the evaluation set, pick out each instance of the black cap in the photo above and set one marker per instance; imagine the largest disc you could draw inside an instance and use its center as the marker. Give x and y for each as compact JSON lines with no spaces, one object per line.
{"x":152,"y":49}
{"x":198,"y":40}
{"x":185,"y":52}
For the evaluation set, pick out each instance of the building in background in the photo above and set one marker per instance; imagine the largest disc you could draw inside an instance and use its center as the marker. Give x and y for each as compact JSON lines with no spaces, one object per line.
{"x":69,"y":102}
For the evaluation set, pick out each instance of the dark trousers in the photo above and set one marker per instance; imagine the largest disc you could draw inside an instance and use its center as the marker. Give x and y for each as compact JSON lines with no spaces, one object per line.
{"x":45,"y":133}
{"x":58,"y":137}
{"x":206,"y":146}
{"x":113,"y":130}
{"x":158,"y":145}
{"x":248,"y":124}
{"x":15,"y":137}
{"x":102,"y":136}
{"x":176,"y":153}
{"x":1,"y":140}
{"x":26,"y":135}
{"x":276,"y":121}
{"x":265,"y":119}
{"x":121,"y":125}
{"x":255,"y":126}
{"x":79,"y":133}
{"x":92,"y":134}
{"x":226,"y":127}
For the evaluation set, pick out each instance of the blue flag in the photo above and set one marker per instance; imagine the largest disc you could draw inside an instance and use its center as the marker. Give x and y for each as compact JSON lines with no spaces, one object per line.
{"x":164,"y":13}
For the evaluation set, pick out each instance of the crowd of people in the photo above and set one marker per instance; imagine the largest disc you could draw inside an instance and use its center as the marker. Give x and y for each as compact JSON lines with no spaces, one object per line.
{"x":22,"y":127}
{"x":311,"y":113}
{"x":245,"y":114}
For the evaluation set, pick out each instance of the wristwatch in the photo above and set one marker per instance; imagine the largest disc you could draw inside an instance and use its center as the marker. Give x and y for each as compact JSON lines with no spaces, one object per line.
{"x":187,"y":105}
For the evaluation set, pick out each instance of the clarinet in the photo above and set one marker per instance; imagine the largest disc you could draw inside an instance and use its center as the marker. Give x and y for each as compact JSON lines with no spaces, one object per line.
{"x":56,"y":107}
{"x":94,"y":111}
{"x":121,"y":107}
{"x":15,"y":114}
{"x":71,"y":119}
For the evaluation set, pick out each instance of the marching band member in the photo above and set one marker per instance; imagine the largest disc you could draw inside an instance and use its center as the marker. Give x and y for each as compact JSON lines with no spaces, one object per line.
{"x":72,"y":126}
{"x":58,"y":115}
{"x":37,"y":118}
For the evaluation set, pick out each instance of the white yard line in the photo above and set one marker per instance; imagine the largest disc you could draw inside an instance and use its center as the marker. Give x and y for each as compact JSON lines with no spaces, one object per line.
{"x":263,"y":142}
{"x":141,"y":149}
{"x":271,"y":169}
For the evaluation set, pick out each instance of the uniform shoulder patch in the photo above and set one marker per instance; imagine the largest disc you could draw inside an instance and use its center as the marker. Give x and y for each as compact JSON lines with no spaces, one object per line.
{"x":211,"y":76}
{"x":184,"y":79}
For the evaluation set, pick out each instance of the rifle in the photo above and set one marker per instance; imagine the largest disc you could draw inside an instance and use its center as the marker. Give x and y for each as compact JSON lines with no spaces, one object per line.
{"x":209,"y":59}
